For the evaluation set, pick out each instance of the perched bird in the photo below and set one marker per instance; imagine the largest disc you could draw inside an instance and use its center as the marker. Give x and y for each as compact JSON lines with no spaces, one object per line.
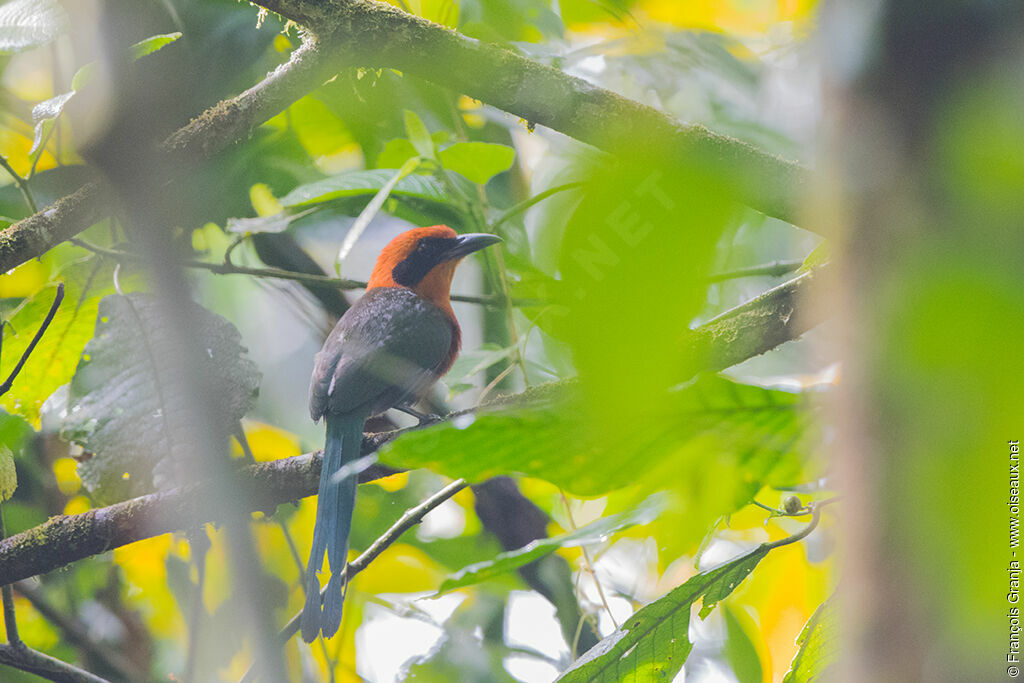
{"x":385,"y":352}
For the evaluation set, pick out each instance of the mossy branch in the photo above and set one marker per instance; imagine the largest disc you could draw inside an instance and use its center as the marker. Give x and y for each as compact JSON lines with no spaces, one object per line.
{"x":740,"y":333}
{"x":367,"y":33}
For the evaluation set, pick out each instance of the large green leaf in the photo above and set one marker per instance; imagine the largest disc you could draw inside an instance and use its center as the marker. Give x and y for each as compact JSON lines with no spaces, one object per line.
{"x":365,"y":183}
{"x":25,"y":24}
{"x":819,"y":646}
{"x":56,"y":356}
{"x":14,"y":431}
{"x":128,"y":403}
{"x":478,"y":161}
{"x":653,"y":644}
{"x":714,"y":441}
{"x":595,"y":532}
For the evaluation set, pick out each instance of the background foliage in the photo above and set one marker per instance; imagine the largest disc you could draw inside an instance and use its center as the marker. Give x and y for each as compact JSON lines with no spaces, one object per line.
{"x":662,"y":494}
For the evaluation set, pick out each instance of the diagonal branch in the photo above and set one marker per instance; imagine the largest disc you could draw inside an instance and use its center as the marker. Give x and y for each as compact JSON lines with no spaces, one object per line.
{"x":754,"y":328}
{"x":367,"y":33}
{"x":375,"y":34}
{"x":210,"y":133}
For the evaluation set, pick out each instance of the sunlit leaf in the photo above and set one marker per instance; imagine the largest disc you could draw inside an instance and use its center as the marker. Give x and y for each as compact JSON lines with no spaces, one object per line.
{"x":819,"y":647}
{"x":478,"y":161}
{"x":127,"y":400}
{"x":56,"y":356}
{"x":595,"y":532}
{"x":148,"y":46}
{"x":653,"y":644}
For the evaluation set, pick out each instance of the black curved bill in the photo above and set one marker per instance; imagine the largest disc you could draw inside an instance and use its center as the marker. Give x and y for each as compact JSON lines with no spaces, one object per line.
{"x":468,"y":243}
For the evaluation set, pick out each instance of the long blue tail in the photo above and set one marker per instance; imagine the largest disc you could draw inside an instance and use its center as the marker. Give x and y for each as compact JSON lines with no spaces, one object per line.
{"x":335,"y":503}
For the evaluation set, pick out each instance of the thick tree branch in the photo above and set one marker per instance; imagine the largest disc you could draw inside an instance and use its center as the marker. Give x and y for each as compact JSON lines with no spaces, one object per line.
{"x":375,"y":34}
{"x":45,"y":666}
{"x":363,"y":32}
{"x":216,"y":129}
{"x":755,"y":327}
{"x":741,"y":333}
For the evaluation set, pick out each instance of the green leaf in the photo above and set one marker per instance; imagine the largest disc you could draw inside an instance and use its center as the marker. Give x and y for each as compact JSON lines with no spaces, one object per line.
{"x":8,"y":475}
{"x":25,"y":24}
{"x":45,"y":114}
{"x":370,"y":211}
{"x":595,"y":532}
{"x":278,"y":222}
{"x":740,"y":651}
{"x":715,"y":441}
{"x":819,"y":646}
{"x":478,"y":161}
{"x":55,"y":357}
{"x":419,"y":136}
{"x":14,"y":431}
{"x":653,"y":644}
{"x":128,"y":395}
{"x":365,"y":184}
{"x":818,"y":256}
{"x":148,"y":46}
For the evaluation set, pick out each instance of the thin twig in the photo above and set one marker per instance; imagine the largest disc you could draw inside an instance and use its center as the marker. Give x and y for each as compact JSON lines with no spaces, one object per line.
{"x":21,"y":183}
{"x":6,"y":386}
{"x":773,"y":269}
{"x":78,"y":634}
{"x":45,"y":666}
{"x":281,"y":274}
{"x":527,"y":203}
{"x":409,"y":518}
{"x":589,"y":562}
{"x":800,"y":535}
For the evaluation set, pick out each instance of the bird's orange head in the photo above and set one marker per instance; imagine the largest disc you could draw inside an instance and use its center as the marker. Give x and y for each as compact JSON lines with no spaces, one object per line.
{"x":424,"y":260}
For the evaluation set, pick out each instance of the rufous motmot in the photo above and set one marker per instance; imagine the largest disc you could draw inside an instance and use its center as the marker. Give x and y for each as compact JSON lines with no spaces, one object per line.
{"x":387,"y":350}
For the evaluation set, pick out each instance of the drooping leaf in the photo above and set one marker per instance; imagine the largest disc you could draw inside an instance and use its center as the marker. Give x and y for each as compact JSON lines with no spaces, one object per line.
{"x":478,"y":161}
{"x":44,"y":115}
{"x":740,"y":651}
{"x":128,"y":404}
{"x":365,"y":183}
{"x":278,"y":222}
{"x":819,"y":646}
{"x":8,"y":475}
{"x":595,"y":532}
{"x":653,"y":644}
{"x":25,"y":24}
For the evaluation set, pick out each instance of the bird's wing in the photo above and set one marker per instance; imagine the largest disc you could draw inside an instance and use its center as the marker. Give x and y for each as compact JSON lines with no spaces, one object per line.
{"x":386,"y":349}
